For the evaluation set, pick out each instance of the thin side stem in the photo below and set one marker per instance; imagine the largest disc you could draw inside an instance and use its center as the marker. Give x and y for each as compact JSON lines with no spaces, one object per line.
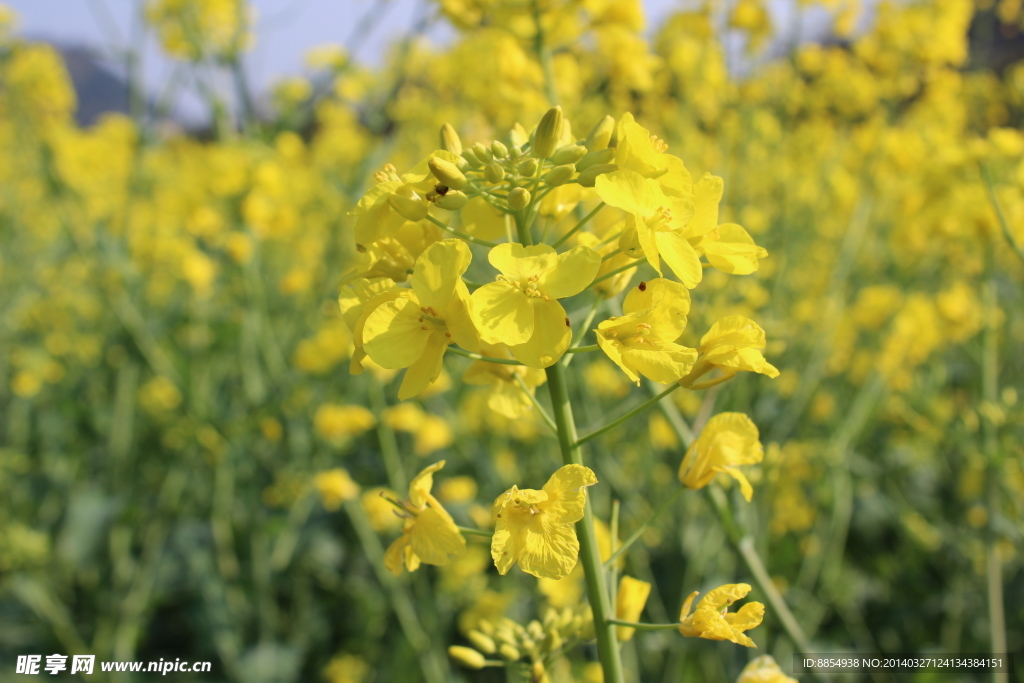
{"x":536,"y":404}
{"x":613,"y":273}
{"x":487,"y":359}
{"x":586,"y":219}
{"x":636,"y":411}
{"x":474,"y":532}
{"x":462,"y":235}
{"x":640,"y":530}
{"x":581,"y":332}
{"x":639,"y":626}
{"x":584,"y":349}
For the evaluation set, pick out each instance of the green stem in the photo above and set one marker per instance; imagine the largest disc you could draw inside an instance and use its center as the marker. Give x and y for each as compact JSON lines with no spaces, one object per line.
{"x":468,"y":238}
{"x":581,"y":332}
{"x":616,"y":422}
{"x":487,"y":359}
{"x":584,"y":349}
{"x":542,"y":55}
{"x":986,"y":176}
{"x":611,"y":254}
{"x":990,"y":434}
{"x":388,"y":442}
{"x":475,"y":532}
{"x":613,"y":273}
{"x":640,"y":530}
{"x":590,"y":555}
{"x":586,"y":219}
{"x":643,"y":627}
{"x":536,"y":404}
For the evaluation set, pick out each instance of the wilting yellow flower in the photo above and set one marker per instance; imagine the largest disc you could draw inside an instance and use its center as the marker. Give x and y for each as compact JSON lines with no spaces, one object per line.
{"x":642,"y":342}
{"x":521,"y":309}
{"x":629,"y":603}
{"x":505,"y":396}
{"x":429,"y":534}
{"x":414,"y":329}
{"x":727,"y":440}
{"x":335,"y":487}
{"x":535,"y":528}
{"x":710,"y":620}
{"x":335,"y":422}
{"x":763,"y":669}
{"x":732,"y":344}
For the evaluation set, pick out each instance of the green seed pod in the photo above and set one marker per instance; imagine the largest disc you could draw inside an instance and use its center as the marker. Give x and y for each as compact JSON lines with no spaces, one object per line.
{"x":519,"y":198}
{"x":453,"y":200}
{"x":601,"y":135}
{"x":467,"y":656}
{"x":448,"y":173}
{"x":471,"y":158}
{"x":483,"y":153}
{"x":589,"y":177}
{"x":509,"y":652}
{"x":549,"y":130}
{"x":559,"y":175}
{"x":408,"y":208}
{"x":568,"y":154}
{"x":450,"y":141}
{"x":482,"y":642}
{"x":494,"y":173}
{"x":499,"y":150}
{"x":601,"y":156}
{"x":528,"y":167}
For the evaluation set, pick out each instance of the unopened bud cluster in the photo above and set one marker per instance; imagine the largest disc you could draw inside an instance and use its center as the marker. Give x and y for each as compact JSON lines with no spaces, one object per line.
{"x":508,"y":641}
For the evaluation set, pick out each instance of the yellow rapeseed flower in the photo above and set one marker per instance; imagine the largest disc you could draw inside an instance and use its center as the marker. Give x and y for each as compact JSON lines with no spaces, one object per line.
{"x":727,"y":440}
{"x":642,"y":341}
{"x":335,"y":487}
{"x":763,"y":669}
{"x":521,"y":309}
{"x":429,"y":534}
{"x":629,"y":603}
{"x":535,"y":528}
{"x":711,"y":620}
{"x":732,"y":344}
{"x":414,"y":329}
{"x":334,"y":422}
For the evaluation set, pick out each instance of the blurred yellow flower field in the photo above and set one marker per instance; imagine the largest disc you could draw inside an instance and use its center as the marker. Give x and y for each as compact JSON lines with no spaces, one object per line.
{"x":751,"y":305}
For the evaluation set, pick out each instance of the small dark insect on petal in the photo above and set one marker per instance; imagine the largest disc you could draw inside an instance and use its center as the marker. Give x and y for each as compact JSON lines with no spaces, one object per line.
{"x":642,"y":286}
{"x":567,"y":322}
{"x":441,"y":189}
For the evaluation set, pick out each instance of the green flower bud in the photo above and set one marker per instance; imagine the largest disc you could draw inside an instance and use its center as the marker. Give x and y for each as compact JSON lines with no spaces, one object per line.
{"x":482,"y":153}
{"x":519,"y":198}
{"x":471,"y":159}
{"x":467,"y":657}
{"x":514,"y":152}
{"x":453,"y":200}
{"x":589,"y":177}
{"x":549,"y":130}
{"x":486,"y":627}
{"x":448,"y":173}
{"x":482,"y":642}
{"x":559,"y":175}
{"x":450,"y":141}
{"x":535,"y":630}
{"x":568,"y":154}
{"x":600,"y":156}
{"x":509,"y":652}
{"x":528,"y":167}
{"x":494,"y":173}
{"x":499,"y":150}
{"x":408,"y":208}
{"x":601,"y":136}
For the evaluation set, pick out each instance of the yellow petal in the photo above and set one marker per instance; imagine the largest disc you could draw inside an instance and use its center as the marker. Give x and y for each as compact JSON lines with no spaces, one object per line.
{"x":438,"y":269}
{"x":502,"y":313}
{"x":503,"y":550}
{"x":624,"y":189}
{"x":422,"y":483}
{"x":551,"y":335}
{"x":614,"y":349}
{"x":706,"y":195}
{"x":482,"y":220}
{"x":426,"y":369}
{"x":567,"y":493}
{"x":434,"y":537}
{"x":734,"y":251}
{"x":664,"y":364}
{"x":572,"y":272}
{"x":394,"y":558}
{"x":393,"y":336}
{"x":629,"y":604}
{"x":745,"y":488}
{"x":518,"y":263}
{"x":548,"y":549}
{"x":459,"y":319}
{"x":680,"y":256}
